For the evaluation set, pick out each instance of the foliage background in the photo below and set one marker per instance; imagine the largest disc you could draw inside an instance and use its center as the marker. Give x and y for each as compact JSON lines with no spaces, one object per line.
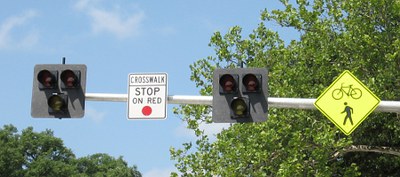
{"x":41,"y":154}
{"x":335,"y":35}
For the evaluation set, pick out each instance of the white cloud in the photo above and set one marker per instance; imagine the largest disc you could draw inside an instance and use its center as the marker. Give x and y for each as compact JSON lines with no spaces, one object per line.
{"x":112,"y":22}
{"x":122,"y":25}
{"x":167,"y":31}
{"x":29,"y":40}
{"x":210,"y":130}
{"x":7,"y":39}
{"x":159,"y":172}
{"x":95,"y":115}
{"x":82,"y":4}
{"x":214,"y":128}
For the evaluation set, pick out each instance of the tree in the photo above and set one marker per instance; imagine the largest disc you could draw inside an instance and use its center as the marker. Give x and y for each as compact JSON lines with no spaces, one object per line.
{"x":11,"y":156}
{"x":105,"y":165}
{"x":41,"y":154}
{"x":359,"y":35}
{"x":45,"y":155}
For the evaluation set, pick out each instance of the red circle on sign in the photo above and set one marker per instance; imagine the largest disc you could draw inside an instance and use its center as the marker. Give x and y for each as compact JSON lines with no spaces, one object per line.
{"x":146,"y":110}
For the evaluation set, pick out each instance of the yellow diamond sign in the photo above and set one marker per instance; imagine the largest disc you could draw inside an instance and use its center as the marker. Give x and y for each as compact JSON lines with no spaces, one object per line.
{"x":347,"y":102}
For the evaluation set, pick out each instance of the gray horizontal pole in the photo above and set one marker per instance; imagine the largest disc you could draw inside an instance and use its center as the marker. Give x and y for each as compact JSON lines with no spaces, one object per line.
{"x":273,"y":102}
{"x":185,"y":99}
{"x":172,"y":99}
{"x":106,"y":97}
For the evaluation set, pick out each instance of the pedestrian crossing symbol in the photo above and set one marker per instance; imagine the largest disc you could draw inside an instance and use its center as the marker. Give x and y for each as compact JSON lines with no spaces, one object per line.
{"x":347,"y":102}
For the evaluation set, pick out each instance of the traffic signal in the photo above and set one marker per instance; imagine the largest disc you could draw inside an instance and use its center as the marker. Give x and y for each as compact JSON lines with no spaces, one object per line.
{"x":58,"y":91}
{"x":240,"y":95}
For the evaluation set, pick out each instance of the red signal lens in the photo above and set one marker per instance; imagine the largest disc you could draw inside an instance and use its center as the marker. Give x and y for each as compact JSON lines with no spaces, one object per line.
{"x":46,"y":78}
{"x":251,"y":83}
{"x":69,"y":79}
{"x":228,"y":83}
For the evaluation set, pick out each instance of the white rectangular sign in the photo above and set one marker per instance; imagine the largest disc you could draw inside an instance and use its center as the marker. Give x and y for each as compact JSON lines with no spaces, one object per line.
{"x":147,"y":96}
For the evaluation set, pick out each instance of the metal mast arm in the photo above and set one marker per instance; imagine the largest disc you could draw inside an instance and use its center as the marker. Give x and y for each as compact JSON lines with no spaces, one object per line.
{"x":273,"y":102}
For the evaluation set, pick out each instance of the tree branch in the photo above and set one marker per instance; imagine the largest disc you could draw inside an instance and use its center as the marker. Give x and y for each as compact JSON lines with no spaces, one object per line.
{"x":366,"y":148}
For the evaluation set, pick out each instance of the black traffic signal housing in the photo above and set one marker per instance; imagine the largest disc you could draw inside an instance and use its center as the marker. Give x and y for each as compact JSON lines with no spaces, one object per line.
{"x":240,"y":95}
{"x":58,"y":91}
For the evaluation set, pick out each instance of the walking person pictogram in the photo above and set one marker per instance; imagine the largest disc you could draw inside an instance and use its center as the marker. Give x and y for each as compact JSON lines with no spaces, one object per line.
{"x":349,"y":111}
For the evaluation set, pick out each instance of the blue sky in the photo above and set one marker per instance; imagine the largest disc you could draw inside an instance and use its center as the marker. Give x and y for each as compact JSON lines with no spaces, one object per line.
{"x":114,"y":38}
